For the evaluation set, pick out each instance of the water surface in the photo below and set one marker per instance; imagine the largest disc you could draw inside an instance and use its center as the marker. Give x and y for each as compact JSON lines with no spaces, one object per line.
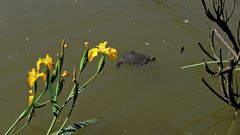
{"x":156,"y":99}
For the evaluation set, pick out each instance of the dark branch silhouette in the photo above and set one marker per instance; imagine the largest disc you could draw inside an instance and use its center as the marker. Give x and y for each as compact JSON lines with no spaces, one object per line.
{"x":225,"y":72}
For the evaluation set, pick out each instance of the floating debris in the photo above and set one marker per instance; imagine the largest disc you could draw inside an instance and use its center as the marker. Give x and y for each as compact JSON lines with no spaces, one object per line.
{"x":147,"y":43}
{"x":186,"y":21}
{"x":182,"y":49}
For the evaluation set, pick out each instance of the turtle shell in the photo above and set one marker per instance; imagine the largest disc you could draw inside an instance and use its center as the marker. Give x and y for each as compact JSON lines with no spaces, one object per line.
{"x":134,"y":58}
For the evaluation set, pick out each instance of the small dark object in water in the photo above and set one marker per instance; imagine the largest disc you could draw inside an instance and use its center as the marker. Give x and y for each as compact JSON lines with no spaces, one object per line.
{"x":134,"y":59}
{"x":182,"y":49}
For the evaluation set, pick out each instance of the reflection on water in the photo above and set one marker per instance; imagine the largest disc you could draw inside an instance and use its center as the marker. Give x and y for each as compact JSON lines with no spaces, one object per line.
{"x":136,"y":100}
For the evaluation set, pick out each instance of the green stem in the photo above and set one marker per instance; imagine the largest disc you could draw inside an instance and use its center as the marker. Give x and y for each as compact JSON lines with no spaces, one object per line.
{"x":85,"y":84}
{"x":28,"y":121}
{"x":70,"y":97}
{"x":21,"y":128}
{"x":78,"y":77}
{"x":63,"y":125}
{"x":52,"y":124}
{"x":80,"y":90}
{"x":39,"y":97}
{"x":13,"y":125}
{"x":22,"y":115}
{"x":69,"y":114}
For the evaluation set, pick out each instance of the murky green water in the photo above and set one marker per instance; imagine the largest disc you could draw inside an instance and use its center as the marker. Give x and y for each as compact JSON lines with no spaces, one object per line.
{"x":159,"y":99}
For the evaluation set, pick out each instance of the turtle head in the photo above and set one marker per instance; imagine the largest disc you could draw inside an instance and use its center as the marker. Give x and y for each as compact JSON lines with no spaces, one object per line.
{"x":152,"y":58}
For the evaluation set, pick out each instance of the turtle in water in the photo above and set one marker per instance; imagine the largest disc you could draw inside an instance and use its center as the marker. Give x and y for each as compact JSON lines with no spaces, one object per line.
{"x":134,"y":58}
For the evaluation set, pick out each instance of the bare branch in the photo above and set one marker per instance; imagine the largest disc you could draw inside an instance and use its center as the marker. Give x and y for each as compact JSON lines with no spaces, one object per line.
{"x":230,"y":93}
{"x":213,"y":46}
{"x":230,"y":89}
{"x":220,"y":20}
{"x":214,"y":92}
{"x":215,"y":7}
{"x":223,"y":71}
{"x":233,"y":7}
{"x":222,"y":2}
{"x":222,"y":78}
{"x":208,"y":12}
{"x":236,"y":89}
{"x":223,"y":87}
{"x":208,"y":69}
{"x":238,"y":58}
{"x":220,"y":63}
{"x":238,"y":33}
{"x":237,"y":95}
{"x":220,"y":59}
{"x":210,"y":56}
{"x":225,"y":43}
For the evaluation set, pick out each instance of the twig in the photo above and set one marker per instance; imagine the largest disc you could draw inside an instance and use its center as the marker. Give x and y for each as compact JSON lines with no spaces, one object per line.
{"x":233,"y":7}
{"x":238,"y":33}
{"x":225,"y":43}
{"x":213,"y":45}
{"x":208,"y":69}
{"x":214,"y":92}
{"x":210,"y":56}
{"x":220,"y":21}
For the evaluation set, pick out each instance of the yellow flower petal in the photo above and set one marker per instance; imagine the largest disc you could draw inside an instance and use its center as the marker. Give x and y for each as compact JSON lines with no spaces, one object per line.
{"x":43,"y":75}
{"x":111,"y":52}
{"x":92,"y":53}
{"x":102,"y":46}
{"x":32,"y":77}
{"x":39,"y":62}
{"x":48,"y":62}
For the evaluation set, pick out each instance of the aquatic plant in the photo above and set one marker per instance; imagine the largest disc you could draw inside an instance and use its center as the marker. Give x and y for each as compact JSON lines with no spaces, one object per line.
{"x":53,"y":78}
{"x":225,"y":65}
{"x":111,"y":52}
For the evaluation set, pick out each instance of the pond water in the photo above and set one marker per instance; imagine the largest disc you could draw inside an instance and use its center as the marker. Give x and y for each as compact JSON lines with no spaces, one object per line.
{"x":157,"y":99}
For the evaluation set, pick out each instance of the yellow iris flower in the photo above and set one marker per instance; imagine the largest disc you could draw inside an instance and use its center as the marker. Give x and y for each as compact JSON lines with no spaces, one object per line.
{"x":46,"y":61}
{"x":33,"y":75}
{"x":111,"y":52}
